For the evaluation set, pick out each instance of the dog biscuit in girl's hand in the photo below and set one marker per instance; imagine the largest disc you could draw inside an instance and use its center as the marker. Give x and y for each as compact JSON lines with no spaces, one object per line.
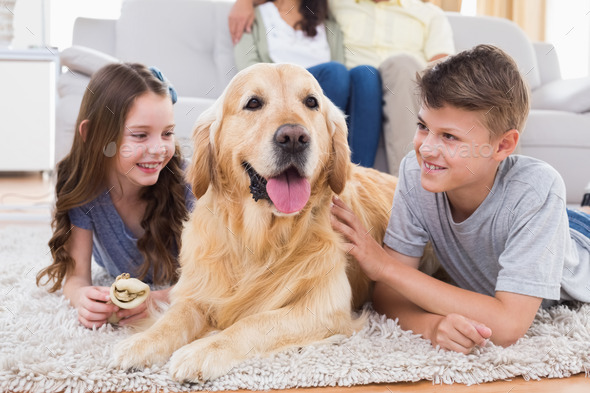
{"x":127,"y":293}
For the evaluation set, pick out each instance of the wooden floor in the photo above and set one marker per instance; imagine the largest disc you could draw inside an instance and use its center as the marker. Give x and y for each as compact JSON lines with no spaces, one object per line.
{"x":576,"y":384}
{"x":25,"y":199}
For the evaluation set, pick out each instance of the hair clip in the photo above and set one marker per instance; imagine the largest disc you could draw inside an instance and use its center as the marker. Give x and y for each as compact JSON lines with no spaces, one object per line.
{"x":158,"y":74}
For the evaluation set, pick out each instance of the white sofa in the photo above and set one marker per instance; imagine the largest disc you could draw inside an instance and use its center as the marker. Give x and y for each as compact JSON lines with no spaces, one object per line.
{"x":189,"y":41}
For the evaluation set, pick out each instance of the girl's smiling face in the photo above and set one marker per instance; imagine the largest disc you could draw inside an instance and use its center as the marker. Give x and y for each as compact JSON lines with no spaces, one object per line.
{"x":147,"y":143}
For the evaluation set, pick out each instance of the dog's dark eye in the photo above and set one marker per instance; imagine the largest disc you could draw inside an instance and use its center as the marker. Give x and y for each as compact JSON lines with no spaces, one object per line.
{"x":253,"y":104}
{"x":311,"y":102}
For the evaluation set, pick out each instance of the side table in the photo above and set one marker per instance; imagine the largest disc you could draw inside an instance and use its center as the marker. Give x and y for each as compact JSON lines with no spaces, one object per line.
{"x":27,"y":109}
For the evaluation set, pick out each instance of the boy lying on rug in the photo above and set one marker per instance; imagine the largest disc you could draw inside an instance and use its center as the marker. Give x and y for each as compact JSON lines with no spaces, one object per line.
{"x":498,"y":222}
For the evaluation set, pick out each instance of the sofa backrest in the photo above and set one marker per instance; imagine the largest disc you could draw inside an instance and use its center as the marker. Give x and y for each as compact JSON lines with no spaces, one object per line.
{"x":469,"y":31}
{"x":187,"y":39}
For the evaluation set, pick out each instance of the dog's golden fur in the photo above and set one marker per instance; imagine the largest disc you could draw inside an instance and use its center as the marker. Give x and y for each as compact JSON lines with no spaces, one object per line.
{"x":263,"y":280}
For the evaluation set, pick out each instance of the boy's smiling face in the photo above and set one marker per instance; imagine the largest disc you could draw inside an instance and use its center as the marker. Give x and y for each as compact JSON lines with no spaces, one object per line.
{"x":456,"y":153}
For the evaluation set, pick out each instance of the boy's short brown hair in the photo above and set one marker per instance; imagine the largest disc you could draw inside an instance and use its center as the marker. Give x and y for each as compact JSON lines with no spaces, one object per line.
{"x":483,"y":79}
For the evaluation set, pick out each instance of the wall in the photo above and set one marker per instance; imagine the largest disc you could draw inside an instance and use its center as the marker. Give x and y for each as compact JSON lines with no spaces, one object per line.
{"x":38,"y":23}
{"x":63,"y":13}
{"x":30,"y":27}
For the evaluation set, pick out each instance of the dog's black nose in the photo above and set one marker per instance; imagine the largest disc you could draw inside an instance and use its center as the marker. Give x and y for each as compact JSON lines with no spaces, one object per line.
{"x":292,"y":138}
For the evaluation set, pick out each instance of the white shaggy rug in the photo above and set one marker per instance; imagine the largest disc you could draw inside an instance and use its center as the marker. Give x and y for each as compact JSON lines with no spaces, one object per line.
{"x":44,"y":349}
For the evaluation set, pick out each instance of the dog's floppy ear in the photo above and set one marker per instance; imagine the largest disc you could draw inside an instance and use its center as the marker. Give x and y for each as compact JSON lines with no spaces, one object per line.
{"x":339,"y":167}
{"x":202,"y":169}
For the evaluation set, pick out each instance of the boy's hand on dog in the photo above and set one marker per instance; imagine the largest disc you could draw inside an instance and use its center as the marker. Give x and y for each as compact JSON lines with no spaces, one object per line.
{"x":92,"y":306}
{"x":457,"y":333}
{"x":453,"y":332}
{"x":360,"y":244}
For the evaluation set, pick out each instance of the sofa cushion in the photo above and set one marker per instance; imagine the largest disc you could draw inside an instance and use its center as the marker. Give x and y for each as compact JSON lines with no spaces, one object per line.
{"x":85,"y":60}
{"x":66,"y":114}
{"x":569,"y":95}
{"x":560,"y":139}
{"x":469,"y":31}
{"x":72,"y":83}
{"x":188,"y":40}
{"x":548,"y":127}
{"x":186,"y":112}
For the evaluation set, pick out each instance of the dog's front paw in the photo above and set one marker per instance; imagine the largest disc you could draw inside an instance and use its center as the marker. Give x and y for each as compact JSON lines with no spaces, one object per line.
{"x":204,"y":359}
{"x":139,"y":351}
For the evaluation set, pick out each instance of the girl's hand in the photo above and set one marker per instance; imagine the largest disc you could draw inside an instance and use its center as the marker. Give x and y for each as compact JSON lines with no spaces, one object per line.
{"x":92,"y":306}
{"x":370,"y":254}
{"x":460,"y":334}
{"x":141,"y":311}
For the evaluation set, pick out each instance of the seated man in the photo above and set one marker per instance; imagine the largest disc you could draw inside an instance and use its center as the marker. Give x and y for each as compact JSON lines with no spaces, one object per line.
{"x":397,"y":36}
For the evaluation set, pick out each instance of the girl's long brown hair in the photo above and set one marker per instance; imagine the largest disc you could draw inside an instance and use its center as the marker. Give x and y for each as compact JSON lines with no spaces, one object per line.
{"x":81,"y":175}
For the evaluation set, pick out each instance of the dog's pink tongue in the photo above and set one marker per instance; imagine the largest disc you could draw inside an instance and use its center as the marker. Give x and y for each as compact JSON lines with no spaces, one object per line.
{"x":289,"y":192}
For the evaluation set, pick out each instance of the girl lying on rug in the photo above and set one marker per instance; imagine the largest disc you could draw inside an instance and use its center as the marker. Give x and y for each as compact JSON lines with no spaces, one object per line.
{"x":498,"y":222}
{"x":114,"y":199}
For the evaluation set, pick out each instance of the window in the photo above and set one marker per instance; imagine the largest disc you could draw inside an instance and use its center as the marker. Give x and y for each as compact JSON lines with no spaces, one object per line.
{"x":567,"y":27}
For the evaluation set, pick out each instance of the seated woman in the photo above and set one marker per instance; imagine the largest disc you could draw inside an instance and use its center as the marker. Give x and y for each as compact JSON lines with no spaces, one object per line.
{"x":301,"y":32}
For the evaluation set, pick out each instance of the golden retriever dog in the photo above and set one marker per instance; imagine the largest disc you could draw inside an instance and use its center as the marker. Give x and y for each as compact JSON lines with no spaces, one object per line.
{"x":261,"y":268}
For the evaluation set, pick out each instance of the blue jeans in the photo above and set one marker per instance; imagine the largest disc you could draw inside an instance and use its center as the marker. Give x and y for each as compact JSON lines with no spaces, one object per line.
{"x":358,"y":94}
{"x":579,"y":221}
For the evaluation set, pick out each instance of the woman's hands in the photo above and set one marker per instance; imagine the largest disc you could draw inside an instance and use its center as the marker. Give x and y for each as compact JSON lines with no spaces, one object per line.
{"x":240,"y":19}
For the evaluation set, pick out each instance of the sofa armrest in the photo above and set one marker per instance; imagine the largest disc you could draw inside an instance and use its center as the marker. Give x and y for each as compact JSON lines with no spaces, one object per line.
{"x":548,"y":62}
{"x":85,"y":60}
{"x":98,"y":34}
{"x":568,"y":95}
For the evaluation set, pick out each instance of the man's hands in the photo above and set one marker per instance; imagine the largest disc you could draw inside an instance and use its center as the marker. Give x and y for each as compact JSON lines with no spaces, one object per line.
{"x":460,"y":334}
{"x":241,"y":17}
{"x":361,"y":245}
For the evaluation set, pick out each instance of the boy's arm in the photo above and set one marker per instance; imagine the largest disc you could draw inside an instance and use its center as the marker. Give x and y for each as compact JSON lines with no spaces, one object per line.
{"x":453,"y":332}
{"x":508,"y":315}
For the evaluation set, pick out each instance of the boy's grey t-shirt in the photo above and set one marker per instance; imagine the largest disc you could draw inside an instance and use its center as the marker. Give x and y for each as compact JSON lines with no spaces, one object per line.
{"x":114,"y":247}
{"x":518,"y":240}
